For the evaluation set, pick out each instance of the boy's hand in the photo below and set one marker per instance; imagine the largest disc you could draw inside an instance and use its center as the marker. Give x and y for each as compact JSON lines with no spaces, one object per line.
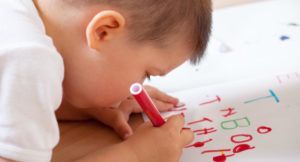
{"x":117,"y":118}
{"x":163,"y":101}
{"x":148,"y":144}
{"x":160,"y":144}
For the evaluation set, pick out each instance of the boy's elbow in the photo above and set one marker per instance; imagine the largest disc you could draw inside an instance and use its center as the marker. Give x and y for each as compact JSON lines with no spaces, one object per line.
{"x":5,"y":160}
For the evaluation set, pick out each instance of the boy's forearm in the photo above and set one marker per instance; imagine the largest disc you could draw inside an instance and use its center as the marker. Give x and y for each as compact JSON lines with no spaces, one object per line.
{"x":5,"y":160}
{"x":117,"y":153}
{"x":67,"y":112}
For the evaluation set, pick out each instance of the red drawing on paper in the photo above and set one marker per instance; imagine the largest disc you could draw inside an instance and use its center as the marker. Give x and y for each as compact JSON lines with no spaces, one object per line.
{"x":205,"y":131}
{"x":229,"y":111}
{"x":242,"y":147}
{"x":221,"y":158}
{"x":282,"y":78}
{"x":199,"y":144}
{"x":264,"y":130}
{"x":218,"y":99}
{"x":235,"y":139}
{"x":199,"y":121}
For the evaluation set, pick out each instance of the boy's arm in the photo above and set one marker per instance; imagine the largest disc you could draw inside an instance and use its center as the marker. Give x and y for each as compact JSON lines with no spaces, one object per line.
{"x":67,"y":112}
{"x":148,"y":144}
{"x":163,"y":101}
{"x":31,"y":78}
{"x":5,"y":160}
{"x":116,"y":118}
{"x":116,"y":153}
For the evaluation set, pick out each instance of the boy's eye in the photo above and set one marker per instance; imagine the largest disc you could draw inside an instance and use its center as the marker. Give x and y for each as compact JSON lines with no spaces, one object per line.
{"x":148,"y":76}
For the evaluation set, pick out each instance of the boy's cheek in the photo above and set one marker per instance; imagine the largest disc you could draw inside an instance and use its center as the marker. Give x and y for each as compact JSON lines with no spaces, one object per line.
{"x":113,"y":100}
{"x":116,"y":105}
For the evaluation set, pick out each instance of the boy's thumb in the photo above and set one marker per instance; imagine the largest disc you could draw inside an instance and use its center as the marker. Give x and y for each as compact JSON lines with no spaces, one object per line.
{"x":122,"y":128}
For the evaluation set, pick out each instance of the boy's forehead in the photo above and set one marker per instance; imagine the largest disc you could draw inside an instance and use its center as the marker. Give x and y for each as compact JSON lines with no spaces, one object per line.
{"x":166,"y":62}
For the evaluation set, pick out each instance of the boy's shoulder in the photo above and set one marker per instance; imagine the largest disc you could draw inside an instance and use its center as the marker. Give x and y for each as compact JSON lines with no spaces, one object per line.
{"x":21,"y":26}
{"x":31,"y":76}
{"x":24,"y":39}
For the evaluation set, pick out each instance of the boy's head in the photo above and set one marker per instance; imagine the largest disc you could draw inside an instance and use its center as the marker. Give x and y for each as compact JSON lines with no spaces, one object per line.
{"x":109,"y":44}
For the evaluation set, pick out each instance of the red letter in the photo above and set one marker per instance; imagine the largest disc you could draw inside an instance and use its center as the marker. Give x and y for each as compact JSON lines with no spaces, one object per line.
{"x":230,"y":111}
{"x":247,"y":136}
{"x":264,"y":130}
{"x":241,"y":148}
{"x":199,"y":121}
{"x":199,"y":144}
{"x":205,"y":131}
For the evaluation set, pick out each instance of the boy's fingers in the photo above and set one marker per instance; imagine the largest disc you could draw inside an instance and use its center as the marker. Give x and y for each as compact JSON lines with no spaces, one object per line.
{"x":187,"y":137}
{"x":159,"y":95}
{"x":147,"y":124}
{"x":175,"y":122}
{"x":119,"y":123}
{"x":165,"y":97}
{"x":130,"y":106}
{"x":163,"y":106}
{"x":122,"y":128}
{"x":115,"y":119}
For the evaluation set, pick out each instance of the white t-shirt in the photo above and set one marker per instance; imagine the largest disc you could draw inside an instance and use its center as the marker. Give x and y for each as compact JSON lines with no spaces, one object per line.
{"x":31,"y":75}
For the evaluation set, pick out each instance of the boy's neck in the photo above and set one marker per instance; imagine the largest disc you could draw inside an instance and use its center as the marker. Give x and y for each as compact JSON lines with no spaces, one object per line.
{"x":52,"y":23}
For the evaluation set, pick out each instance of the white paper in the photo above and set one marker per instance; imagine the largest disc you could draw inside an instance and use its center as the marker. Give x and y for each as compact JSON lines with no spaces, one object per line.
{"x":245,"y":62}
{"x":251,"y":33}
{"x":253,"y":102}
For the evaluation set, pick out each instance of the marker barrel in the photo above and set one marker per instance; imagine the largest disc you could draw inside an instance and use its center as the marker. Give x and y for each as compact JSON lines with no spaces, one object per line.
{"x":142,"y":97}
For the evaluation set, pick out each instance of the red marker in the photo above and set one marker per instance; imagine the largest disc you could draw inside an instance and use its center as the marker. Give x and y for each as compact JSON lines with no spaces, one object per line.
{"x":142,"y":97}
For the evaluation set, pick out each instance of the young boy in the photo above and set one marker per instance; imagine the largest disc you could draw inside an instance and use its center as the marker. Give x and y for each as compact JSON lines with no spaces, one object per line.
{"x":80,"y":57}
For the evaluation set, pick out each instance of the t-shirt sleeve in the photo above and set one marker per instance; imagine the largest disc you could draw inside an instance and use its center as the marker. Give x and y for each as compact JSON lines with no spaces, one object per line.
{"x":30,"y":92}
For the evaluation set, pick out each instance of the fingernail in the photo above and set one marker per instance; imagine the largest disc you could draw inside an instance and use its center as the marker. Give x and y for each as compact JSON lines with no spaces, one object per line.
{"x":182,"y":114}
{"x":170,"y":109}
{"x":180,"y":104}
{"x":126,"y":136}
{"x":186,"y":128}
{"x":171,"y":106}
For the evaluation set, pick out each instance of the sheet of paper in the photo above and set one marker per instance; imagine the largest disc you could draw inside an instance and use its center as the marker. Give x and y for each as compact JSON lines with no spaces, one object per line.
{"x":243,"y":99}
{"x":245,"y":43}
{"x":248,"y":120}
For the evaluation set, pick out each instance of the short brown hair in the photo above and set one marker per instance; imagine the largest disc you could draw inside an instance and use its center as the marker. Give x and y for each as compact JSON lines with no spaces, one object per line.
{"x":155,"y":20}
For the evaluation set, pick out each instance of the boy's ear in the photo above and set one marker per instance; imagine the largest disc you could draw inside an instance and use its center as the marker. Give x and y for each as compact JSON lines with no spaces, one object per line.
{"x":104,"y":26}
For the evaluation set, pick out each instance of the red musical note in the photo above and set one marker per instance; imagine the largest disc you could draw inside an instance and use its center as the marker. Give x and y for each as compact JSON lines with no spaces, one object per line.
{"x":199,"y":144}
